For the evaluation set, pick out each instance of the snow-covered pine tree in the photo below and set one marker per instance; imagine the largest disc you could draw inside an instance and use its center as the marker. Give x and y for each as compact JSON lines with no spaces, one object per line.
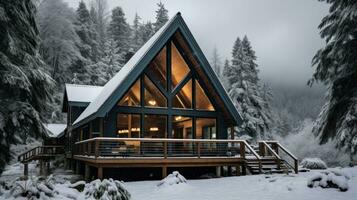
{"x":86,"y":31}
{"x":25,"y":88}
{"x":119,"y":31}
{"x":59,"y":40}
{"x":111,"y":62}
{"x":216,"y":62}
{"x":136,"y":40}
{"x":243,"y":88}
{"x":99,"y":15}
{"x":162,"y":16}
{"x":146,"y":31}
{"x":335,"y":66}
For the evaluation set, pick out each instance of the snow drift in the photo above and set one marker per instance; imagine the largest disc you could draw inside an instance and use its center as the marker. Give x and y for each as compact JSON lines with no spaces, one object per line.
{"x":313,"y":163}
{"x":172,"y":179}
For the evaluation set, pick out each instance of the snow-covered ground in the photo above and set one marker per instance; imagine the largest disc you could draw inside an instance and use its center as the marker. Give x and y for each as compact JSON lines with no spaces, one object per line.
{"x":257,"y":187}
{"x":254,"y":187}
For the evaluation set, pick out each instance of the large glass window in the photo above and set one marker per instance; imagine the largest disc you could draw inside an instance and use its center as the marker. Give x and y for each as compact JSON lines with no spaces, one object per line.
{"x":132,"y":97}
{"x":128,"y":125}
{"x":183,"y":99}
{"x":182,"y":127}
{"x":202,"y":100}
{"x":157,"y":68}
{"x":206,"y":128}
{"x":155,"y":126}
{"x":153,"y":96}
{"x":178,"y":65}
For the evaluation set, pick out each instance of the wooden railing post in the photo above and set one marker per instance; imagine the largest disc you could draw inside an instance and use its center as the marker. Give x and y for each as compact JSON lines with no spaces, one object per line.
{"x":96,"y":150}
{"x":261,"y":149}
{"x":199,"y":149}
{"x":296,"y":166}
{"x":242,"y":150}
{"x":165,"y":149}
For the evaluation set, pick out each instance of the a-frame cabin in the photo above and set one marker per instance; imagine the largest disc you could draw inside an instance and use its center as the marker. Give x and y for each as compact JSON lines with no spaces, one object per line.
{"x":164,"y":109}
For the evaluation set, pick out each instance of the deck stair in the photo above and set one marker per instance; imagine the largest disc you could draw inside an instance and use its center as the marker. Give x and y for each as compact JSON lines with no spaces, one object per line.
{"x":270,"y":161}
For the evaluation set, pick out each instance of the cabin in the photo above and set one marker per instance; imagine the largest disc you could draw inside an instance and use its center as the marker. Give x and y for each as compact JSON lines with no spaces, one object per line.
{"x":164,"y":110}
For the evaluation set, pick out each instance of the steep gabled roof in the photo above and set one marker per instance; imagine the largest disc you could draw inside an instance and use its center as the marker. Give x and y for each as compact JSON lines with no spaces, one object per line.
{"x":55,"y":130}
{"x":82,"y":93}
{"x":116,"y":87}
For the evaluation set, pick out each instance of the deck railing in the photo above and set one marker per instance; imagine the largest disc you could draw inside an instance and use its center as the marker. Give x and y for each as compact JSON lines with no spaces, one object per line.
{"x":155,"y":147}
{"x":289,"y":159}
{"x":40,"y":151}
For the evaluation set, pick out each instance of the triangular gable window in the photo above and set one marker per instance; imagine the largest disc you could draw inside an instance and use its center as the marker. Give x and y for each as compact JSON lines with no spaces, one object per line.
{"x":157,"y":68}
{"x":183,"y":99}
{"x":202,"y":100}
{"x":132,"y":97}
{"x":178,"y":65}
{"x":152,"y":95}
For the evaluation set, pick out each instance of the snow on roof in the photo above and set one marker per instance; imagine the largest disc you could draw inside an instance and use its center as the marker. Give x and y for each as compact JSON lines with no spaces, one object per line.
{"x":114,"y":83}
{"x":82,"y":93}
{"x":55,"y":130}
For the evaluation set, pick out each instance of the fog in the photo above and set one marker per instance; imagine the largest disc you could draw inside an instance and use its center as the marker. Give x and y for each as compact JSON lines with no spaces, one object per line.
{"x":283,"y":33}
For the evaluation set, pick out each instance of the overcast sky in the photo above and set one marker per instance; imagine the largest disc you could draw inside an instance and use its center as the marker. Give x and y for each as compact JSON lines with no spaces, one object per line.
{"x":283,"y":33}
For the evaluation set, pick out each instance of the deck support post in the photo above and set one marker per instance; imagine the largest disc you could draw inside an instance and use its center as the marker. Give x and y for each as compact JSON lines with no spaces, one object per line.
{"x":48,"y":165}
{"x":229,"y":170}
{"x":86,"y":172}
{"x":77,"y":167}
{"x":26,"y":169}
{"x":100,"y":173}
{"x":164,"y":172}
{"x":218,"y":171}
{"x":238,"y":173}
{"x":244,"y":169}
{"x":42,"y":167}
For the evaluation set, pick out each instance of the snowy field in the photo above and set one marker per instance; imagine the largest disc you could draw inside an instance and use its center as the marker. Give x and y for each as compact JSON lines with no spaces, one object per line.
{"x":257,"y":187}
{"x":253,"y":187}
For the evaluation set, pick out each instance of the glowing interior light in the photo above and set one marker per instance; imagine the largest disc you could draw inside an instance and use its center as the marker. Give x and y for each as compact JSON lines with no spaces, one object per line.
{"x":154,"y":129}
{"x":177,"y":118}
{"x":152,"y":102}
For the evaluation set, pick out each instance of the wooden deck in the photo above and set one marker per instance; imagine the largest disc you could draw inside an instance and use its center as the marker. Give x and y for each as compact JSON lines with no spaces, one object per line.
{"x":104,"y":152}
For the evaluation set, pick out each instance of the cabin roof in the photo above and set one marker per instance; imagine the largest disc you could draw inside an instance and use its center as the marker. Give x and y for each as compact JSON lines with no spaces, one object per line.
{"x":55,"y":130}
{"x":108,"y":96}
{"x":82,"y":93}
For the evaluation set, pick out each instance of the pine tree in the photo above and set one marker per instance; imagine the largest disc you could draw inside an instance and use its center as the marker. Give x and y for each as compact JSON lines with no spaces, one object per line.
{"x":25,"y":87}
{"x":59,"y":40}
{"x":98,"y":13}
{"x":216,"y":62}
{"x":146,"y":31}
{"x":162,"y":16}
{"x":243,"y":88}
{"x":335,"y":66}
{"x":119,"y":30}
{"x":87,"y":33}
{"x":136,"y":40}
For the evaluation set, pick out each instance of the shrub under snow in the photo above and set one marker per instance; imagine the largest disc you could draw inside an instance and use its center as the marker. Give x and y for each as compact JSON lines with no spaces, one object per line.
{"x":108,"y":189}
{"x":313,"y":163}
{"x":329,"y":179}
{"x":172,"y":179}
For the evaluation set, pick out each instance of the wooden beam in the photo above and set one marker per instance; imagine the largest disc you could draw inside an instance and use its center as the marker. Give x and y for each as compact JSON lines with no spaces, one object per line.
{"x":164,"y":171}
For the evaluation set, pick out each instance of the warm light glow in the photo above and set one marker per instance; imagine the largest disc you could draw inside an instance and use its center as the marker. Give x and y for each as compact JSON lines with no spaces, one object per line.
{"x":127,"y":131}
{"x":154,"y":129}
{"x":152,"y":102}
{"x":177,"y":118}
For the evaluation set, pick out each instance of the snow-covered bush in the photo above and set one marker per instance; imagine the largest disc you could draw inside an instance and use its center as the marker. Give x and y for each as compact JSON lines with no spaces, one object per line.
{"x":172,"y":179}
{"x":304,"y":144}
{"x":313,"y":163}
{"x":329,"y":179}
{"x":33,"y":188}
{"x":108,"y":189}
